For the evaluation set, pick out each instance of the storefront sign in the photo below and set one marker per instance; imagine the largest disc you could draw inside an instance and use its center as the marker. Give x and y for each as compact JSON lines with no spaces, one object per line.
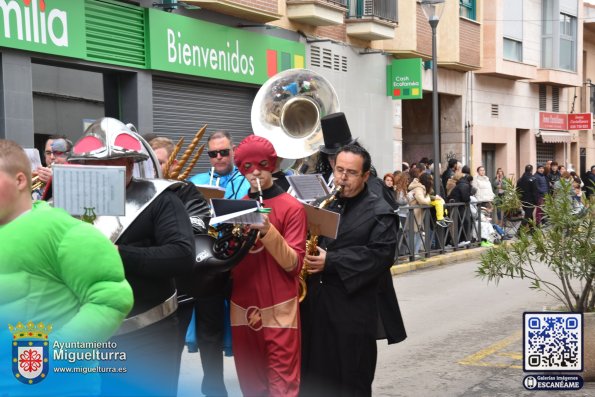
{"x":404,"y":79}
{"x":553,"y":121}
{"x":48,"y":26}
{"x":185,"y":45}
{"x":580,"y":121}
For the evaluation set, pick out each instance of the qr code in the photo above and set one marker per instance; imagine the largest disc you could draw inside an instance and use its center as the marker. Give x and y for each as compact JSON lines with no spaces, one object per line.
{"x":553,"y":342}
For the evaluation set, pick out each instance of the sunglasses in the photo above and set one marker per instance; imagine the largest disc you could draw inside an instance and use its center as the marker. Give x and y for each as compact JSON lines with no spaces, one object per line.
{"x":55,"y":153}
{"x":223,"y":152}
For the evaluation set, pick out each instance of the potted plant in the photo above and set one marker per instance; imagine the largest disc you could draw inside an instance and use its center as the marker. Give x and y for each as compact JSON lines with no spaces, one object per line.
{"x":509,"y":203}
{"x":566,"y":246}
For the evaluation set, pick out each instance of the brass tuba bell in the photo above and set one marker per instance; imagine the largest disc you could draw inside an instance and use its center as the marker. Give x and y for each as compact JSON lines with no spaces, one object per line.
{"x":287,"y":111}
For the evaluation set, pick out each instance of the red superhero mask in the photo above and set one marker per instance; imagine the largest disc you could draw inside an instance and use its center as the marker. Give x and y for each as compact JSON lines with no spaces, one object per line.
{"x":255,"y":152}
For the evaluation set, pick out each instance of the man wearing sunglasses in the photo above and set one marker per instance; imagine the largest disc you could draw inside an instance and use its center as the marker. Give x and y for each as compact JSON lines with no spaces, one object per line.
{"x":210,"y":313}
{"x":223,"y":173}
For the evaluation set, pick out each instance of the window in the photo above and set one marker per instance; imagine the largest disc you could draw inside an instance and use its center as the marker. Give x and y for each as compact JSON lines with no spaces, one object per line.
{"x":558,"y":34}
{"x":567,"y":42}
{"x":512,"y":30}
{"x":513,"y":50}
{"x":467,"y":9}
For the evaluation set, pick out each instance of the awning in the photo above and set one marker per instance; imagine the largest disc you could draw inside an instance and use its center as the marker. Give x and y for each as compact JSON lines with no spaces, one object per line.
{"x":555,"y":136}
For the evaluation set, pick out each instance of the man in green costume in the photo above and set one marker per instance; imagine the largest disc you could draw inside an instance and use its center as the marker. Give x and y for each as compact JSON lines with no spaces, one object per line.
{"x":54,"y":270}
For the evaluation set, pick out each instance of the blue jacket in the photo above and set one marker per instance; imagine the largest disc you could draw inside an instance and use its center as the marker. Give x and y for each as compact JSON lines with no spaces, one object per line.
{"x":542,"y":184}
{"x":236,"y":186}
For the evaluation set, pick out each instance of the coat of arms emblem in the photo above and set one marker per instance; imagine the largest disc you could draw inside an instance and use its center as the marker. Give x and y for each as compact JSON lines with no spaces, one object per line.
{"x":30,"y":351}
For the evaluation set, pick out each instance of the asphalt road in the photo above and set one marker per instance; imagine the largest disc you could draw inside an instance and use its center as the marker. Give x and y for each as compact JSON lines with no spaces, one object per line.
{"x":464,"y":339}
{"x":464,"y":336}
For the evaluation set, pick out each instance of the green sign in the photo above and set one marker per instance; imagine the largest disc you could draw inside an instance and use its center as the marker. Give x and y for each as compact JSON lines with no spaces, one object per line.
{"x":403,"y":79}
{"x":48,"y":26}
{"x":185,"y":45}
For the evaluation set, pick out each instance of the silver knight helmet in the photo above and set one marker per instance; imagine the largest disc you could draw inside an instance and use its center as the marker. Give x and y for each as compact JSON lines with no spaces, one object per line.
{"x":108,"y":139}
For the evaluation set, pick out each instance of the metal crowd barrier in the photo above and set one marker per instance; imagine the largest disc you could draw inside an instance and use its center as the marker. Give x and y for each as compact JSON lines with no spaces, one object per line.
{"x":463,"y":233}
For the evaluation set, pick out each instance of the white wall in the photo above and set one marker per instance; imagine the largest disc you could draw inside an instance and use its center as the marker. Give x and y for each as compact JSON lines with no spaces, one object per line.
{"x":362,"y":97}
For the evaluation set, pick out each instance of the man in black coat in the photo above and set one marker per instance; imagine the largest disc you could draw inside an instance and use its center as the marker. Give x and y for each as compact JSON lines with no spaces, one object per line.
{"x":342,"y":313}
{"x":448,"y":173}
{"x":542,"y":189}
{"x":589,"y":181}
{"x":527,"y":185}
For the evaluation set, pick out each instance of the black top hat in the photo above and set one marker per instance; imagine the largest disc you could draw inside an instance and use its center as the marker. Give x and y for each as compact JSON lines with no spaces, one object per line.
{"x":335,"y":132}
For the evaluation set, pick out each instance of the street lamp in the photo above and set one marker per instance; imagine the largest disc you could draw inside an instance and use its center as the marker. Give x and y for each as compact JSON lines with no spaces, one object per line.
{"x":433,"y":11}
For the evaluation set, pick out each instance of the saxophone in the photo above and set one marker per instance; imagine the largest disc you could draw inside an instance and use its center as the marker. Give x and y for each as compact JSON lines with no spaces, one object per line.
{"x":311,"y":245}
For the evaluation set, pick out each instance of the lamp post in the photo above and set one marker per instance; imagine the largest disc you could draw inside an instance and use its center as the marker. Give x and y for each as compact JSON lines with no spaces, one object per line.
{"x":433,"y":11}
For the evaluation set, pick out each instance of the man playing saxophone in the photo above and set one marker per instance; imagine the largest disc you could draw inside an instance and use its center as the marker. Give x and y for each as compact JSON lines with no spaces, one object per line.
{"x":264,"y":302}
{"x":340,"y":312}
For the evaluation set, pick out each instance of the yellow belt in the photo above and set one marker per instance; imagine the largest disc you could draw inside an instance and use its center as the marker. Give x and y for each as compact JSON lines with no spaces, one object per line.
{"x":281,"y":315}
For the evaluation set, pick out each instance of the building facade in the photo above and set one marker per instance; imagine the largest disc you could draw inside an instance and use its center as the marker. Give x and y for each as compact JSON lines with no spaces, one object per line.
{"x":532,"y":64}
{"x":171,"y":67}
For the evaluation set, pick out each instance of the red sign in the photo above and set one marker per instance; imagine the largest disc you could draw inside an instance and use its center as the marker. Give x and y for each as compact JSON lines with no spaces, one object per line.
{"x":553,"y":121}
{"x":580,"y":121}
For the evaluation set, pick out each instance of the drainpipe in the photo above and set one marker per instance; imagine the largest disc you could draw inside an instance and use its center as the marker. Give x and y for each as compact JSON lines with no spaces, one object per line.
{"x":468,"y":143}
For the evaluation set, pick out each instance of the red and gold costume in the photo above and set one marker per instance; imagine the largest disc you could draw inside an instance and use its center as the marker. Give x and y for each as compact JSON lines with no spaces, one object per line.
{"x":264,"y":302}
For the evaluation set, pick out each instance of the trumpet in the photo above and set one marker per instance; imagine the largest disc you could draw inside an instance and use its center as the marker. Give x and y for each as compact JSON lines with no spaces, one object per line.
{"x":311,"y":245}
{"x":37,"y":183}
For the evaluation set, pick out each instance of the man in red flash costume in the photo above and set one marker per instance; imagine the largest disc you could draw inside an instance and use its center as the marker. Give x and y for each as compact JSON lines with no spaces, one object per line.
{"x":264,"y":303}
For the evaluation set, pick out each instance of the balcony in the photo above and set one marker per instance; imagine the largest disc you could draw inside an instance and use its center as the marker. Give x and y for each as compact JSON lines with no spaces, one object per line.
{"x":317,"y":12}
{"x":372,"y":19}
{"x":266,"y":11}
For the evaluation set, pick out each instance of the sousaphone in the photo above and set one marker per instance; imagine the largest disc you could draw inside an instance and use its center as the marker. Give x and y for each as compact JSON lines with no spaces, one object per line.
{"x":287,"y":111}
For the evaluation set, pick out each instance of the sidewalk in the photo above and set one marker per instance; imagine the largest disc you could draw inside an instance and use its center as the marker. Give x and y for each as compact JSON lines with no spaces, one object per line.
{"x":438,"y":260}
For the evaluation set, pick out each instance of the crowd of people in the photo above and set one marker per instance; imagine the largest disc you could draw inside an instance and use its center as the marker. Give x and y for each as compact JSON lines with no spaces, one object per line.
{"x":413,"y":188}
{"x":135,"y":280}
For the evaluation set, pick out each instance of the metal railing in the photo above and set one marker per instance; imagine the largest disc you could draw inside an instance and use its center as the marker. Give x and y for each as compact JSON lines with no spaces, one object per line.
{"x":424,"y":238}
{"x":384,"y":9}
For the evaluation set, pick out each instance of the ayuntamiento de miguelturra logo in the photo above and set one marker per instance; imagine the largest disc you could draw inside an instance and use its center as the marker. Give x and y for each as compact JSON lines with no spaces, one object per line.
{"x":30,"y":351}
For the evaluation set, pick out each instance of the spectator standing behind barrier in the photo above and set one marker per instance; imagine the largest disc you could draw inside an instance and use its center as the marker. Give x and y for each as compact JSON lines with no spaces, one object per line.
{"x":589,"y":183}
{"x":461,"y":193}
{"x":47,"y":275}
{"x":554,"y":175}
{"x":449,"y":173}
{"x":482,"y":183}
{"x":542,"y":190}
{"x":498,"y":187}
{"x":418,"y":195}
{"x":527,"y":185}
{"x":389,"y":184}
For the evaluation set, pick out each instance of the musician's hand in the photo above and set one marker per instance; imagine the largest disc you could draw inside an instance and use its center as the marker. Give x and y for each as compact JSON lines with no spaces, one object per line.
{"x":44,"y":173}
{"x":262,"y":227}
{"x":316,"y":263}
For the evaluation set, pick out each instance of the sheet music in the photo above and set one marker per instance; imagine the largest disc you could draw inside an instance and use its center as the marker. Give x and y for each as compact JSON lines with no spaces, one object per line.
{"x":246,"y":217}
{"x":308,"y":187}
{"x":34,"y":158}
{"x":235,"y":211}
{"x":322,"y":221}
{"x":77,"y":187}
